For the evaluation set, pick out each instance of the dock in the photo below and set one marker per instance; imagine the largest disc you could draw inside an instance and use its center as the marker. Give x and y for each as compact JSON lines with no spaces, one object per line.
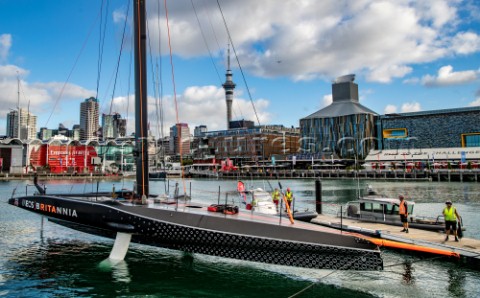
{"x":467,"y":249}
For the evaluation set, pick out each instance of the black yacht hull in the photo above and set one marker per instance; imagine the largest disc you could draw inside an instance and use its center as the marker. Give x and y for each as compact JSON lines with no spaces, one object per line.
{"x":210,"y":234}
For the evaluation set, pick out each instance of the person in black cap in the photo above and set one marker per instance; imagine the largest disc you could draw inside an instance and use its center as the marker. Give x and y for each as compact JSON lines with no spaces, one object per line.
{"x":451,"y":216}
{"x":403,"y":211}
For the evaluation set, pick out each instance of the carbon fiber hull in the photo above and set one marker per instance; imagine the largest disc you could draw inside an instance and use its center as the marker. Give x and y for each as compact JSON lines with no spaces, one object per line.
{"x":244,"y":236}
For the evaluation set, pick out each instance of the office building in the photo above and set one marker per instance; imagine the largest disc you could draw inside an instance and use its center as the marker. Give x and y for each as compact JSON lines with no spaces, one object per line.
{"x":89,"y":116}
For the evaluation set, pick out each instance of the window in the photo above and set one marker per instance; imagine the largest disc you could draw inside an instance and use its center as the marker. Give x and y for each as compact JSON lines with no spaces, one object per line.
{"x":377,"y":208}
{"x":471,"y":140}
{"x":393,"y":133}
{"x":389,"y":209}
{"x":366,"y":206}
{"x":371,"y":207}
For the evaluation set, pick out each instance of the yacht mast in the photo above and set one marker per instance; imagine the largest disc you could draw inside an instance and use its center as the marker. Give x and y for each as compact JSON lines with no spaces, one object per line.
{"x":18,"y":107}
{"x":141,"y":129}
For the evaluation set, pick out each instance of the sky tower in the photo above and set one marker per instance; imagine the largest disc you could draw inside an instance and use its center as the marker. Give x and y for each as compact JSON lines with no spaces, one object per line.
{"x":229,"y":85}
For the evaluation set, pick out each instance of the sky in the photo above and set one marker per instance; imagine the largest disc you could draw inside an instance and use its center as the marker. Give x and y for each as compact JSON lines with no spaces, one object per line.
{"x":407,"y":56}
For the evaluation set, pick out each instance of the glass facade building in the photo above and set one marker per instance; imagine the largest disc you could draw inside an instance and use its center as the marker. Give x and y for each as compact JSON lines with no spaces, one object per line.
{"x":345,"y":128}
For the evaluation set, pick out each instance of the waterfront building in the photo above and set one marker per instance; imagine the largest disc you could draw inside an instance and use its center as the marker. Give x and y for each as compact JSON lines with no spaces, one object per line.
{"x":198,"y":130}
{"x":272,"y":143}
{"x":89,"y":117}
{"x":447,"y":128}
{"x":11,"y":155}
{"x":241,"y":124}
{"x":455,"y":157}
{"x":344,"y":128}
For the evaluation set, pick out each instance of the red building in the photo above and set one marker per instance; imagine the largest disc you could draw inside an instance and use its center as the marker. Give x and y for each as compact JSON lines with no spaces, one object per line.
{"x":63,"y":157}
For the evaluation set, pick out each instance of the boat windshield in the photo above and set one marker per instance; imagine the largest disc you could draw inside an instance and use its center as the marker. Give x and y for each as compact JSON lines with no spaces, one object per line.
{"x":391,"y":209}
{"x":382,"y":207}
{"x":371,"y":207}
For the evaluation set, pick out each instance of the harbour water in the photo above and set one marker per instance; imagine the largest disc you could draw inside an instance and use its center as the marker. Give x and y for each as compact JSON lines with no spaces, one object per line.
{"x":44,"y":260}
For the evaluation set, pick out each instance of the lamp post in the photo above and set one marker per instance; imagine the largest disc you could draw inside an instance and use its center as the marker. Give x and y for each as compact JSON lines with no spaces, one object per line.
{"x":261,"y":139}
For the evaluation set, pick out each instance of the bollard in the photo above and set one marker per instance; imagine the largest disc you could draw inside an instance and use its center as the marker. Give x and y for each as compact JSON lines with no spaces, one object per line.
{"x":318,"y":196}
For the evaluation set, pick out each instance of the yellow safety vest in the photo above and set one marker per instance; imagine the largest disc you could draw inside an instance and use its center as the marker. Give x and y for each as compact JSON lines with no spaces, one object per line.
{"x":276,"y":195}
{"x":289,"y":196}
{"x":449,"y":214}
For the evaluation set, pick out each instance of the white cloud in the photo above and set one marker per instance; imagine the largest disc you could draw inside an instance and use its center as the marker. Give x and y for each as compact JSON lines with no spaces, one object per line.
{"x":475,"y":103}
{"x":327,"y":100}
{"x":412,"y":81}
{"x":446,"y":76}
{"x":466,"y":43}
{"x":322,"y":39}
{"x":390,"y":109}
{"x":5,"y":44}
{"x":411,"y":107}
{"x":39,"y":97}
{"x":64,"y":91}
{"x":386,"y":73}
{"x":12,"y":72}
{"x":438,"y":13}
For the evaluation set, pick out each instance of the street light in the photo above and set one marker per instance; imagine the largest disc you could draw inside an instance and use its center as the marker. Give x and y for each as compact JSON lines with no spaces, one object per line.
{"x":261,"y":139}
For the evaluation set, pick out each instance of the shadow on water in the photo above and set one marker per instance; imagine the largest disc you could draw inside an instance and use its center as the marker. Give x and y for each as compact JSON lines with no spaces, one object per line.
{"x":408,"y":277}
{"x":456,"y":282}
{"x":75,"y":268}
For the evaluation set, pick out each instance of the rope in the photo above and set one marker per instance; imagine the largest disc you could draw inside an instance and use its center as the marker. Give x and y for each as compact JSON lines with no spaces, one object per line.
{"x":206,"y":44}
{"x":319,"y":279}
{"x":413,"y":262}
{"x":175,"y":93}
{"x":101,"y":45}
{"x":71,"y":71}
{"x":238,"y":62}
{"x":207,"y":9}
{"x":119,"y":58}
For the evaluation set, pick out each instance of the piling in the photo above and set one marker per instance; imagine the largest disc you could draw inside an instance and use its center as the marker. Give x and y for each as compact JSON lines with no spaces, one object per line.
{"x":318,"y":196}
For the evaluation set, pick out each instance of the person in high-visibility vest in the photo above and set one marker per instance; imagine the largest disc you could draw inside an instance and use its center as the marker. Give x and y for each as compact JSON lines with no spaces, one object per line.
{"x":276,"y":197}
{"x":289,"y":197}
{"x":403,"y":211}
{"x":451,"y":216}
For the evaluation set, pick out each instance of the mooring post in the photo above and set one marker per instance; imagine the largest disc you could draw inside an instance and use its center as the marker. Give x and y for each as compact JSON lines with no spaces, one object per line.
{"x":318,"y":196}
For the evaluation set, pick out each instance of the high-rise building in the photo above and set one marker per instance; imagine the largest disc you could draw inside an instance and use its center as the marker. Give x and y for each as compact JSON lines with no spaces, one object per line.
{"x":75,"y":132}
{"x":180,"y":139}
{"x":107,"y":126}
{"x":24,"y":128}
{"x":45,"y":133}
{"x":113,"y":126}
{"x":229,"y":86}
{"x":89,"y":119}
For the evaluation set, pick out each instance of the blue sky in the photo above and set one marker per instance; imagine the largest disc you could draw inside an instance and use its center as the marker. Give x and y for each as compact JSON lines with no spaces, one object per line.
{"x":407,"y":56}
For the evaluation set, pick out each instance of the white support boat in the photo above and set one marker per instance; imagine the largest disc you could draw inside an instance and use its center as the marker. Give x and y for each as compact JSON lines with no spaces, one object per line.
{"x":381,"y":209}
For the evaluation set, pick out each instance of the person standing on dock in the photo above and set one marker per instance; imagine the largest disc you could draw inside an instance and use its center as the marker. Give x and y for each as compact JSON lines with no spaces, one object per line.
{"x":289,"y":197}
{"x":403,"y":211}
{"x":451,"y":216}
{"x":276,"y":197}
